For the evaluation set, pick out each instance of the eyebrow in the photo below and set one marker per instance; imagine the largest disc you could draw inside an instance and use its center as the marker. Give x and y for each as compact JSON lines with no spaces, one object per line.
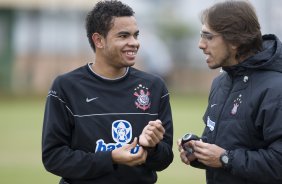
{"x":206,"y":32}
{"x":123,"y":33}
{"x":127,"y":33}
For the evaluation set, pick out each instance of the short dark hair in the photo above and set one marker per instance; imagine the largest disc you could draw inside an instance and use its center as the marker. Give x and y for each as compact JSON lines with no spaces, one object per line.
{"x":237,"y":22}
{"x":99,"y":19}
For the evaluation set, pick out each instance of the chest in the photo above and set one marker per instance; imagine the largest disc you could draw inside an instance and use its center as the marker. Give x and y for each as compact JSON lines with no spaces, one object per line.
{"x":106,"y":116}
{"x":229,"y":115}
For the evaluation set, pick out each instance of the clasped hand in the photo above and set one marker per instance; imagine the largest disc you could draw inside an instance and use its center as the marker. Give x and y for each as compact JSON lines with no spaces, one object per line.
{"x":151,"y":135}
{"x":206,"y":153}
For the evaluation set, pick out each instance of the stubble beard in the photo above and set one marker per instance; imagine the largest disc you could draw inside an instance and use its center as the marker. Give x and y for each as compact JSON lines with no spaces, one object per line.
{"x":225,"y":61}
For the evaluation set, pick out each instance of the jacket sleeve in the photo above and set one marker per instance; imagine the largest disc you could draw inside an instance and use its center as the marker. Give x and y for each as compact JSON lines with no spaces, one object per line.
{"x":57,"y":154}
{"x":162,"y":156}
{"x":264,"y":164}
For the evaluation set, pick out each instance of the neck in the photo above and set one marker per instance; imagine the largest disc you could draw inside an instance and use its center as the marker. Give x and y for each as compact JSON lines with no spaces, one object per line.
{"x":107,"y":72}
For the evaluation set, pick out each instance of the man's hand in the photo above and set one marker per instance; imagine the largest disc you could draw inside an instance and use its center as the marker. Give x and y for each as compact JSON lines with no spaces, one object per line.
{"x":123,"y":155}
{"x":184,"y":155}
{"x":207,"y":153}
{"x":152,"y":134}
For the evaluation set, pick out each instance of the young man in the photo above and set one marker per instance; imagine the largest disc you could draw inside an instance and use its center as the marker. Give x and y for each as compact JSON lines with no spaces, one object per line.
{"x":107,"y":122}
{"x":242,"y":140}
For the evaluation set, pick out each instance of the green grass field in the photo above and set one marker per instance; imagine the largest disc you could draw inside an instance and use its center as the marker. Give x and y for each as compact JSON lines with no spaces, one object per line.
{"x":20,"y":140}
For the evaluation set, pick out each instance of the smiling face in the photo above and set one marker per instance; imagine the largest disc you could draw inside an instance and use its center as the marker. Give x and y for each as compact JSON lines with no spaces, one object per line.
{"x":218,"y":52}
{"x":119,"y":48}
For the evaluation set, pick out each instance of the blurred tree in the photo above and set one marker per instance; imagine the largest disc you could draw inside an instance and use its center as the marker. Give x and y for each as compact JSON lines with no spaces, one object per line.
{"x":176,"y":34}
{"x":6,"y":51}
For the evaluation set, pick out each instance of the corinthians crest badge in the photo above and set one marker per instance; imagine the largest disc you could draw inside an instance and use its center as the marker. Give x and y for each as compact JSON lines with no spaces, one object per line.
{"x":143,"y":101}
{"x":236,"y":104}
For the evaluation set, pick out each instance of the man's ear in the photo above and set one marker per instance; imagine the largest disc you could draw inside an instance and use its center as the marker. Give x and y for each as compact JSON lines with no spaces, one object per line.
{"x":98,"y":40}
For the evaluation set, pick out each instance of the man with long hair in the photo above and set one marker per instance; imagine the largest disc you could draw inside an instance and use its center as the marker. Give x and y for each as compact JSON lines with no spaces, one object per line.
{"x":242,"y":139}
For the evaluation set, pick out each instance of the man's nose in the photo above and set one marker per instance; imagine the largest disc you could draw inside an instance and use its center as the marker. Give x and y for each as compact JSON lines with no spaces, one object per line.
{"x":133,"y":41}
{"x":202,"y":44}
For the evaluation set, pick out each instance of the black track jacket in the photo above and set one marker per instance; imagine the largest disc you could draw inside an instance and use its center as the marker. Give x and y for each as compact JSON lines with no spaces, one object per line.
{"x":87,"y":116}
{"x":244,"y":114}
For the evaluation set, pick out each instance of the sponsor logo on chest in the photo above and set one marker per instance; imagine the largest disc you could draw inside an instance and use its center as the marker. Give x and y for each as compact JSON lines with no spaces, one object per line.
{"x":121,"y":134}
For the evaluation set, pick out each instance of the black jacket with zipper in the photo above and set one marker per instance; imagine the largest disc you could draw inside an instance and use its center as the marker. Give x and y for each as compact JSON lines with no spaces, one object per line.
{"x":244,"y":115}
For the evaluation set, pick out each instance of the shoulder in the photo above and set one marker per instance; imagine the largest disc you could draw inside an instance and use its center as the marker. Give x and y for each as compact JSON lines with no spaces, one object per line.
{"x":155,"y":82}
{"x":135,"y":73}
{"x":221,"y":78}
{"x":65,"y":81}
{"x":75,"y":74}
{"x":267,"y":80}
{"x":267,"y":77}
